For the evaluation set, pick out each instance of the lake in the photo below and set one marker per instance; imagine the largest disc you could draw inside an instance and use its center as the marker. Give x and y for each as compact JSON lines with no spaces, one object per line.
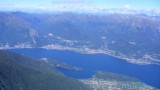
{"x":149,"y":74}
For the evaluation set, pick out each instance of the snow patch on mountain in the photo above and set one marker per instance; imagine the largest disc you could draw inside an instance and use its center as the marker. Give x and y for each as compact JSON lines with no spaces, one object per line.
{"x":50,"y":34}
{"x":133,"y":43}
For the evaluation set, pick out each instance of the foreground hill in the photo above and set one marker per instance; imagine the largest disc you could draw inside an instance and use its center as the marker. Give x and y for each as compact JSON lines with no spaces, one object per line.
{"x":134,"y":38}
{"x":18,"y":72}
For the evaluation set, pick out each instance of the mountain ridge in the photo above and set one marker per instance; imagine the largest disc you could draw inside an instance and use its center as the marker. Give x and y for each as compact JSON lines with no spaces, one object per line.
{"x":131,"y":37}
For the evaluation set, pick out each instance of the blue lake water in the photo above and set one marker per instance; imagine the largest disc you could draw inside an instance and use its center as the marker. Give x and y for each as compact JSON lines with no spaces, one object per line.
{"x":149,"y":74}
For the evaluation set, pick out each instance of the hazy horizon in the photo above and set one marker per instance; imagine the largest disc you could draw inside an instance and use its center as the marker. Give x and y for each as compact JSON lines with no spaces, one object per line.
{"x":78,"y":5}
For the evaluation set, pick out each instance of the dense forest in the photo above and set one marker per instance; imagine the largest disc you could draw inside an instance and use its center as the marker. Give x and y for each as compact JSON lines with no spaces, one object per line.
{"x":17,"y":73}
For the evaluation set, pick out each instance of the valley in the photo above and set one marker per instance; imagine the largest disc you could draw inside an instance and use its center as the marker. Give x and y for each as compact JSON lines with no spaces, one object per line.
{"x":134,"y":38}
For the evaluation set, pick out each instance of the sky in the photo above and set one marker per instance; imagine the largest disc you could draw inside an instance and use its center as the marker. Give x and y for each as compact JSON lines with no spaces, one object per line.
{"x":71,"y":5}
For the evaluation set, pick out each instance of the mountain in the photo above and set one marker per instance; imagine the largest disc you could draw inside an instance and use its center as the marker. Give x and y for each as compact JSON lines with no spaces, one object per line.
{"x":134,"y":38}
{"x":111,"y":81}
{"x":19,"y":72}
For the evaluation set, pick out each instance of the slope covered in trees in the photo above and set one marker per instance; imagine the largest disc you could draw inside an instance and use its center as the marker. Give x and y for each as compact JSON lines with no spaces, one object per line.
{"x":17,"y":73}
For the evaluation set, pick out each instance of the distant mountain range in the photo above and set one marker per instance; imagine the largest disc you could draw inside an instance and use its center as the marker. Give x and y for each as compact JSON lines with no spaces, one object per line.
{"x":134,"y":38}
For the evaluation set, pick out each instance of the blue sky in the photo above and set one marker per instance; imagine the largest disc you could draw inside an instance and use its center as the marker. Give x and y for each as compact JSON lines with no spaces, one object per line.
{"x":77,"y":4}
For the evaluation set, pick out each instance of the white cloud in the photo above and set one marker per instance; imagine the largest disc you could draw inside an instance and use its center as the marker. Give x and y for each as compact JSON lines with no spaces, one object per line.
{"x":127,"y":6}
{"x":67,"y":1}
{"x":66,"y":6}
